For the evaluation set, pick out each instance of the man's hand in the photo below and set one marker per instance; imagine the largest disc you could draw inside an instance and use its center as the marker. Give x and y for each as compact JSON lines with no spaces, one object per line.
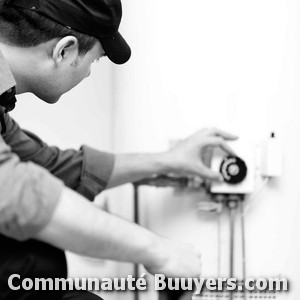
{"x":176,"y":260}
{"x":192,"y":155}
{"x":189,"y":157}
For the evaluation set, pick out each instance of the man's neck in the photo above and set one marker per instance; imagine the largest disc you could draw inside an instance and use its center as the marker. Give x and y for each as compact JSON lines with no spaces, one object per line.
{"x":15,"y":61}
{"x":7,"y":80}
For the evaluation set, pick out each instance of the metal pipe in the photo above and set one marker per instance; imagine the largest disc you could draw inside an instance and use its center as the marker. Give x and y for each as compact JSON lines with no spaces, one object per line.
{"x":232,"y":205}
{"x":136,"y":219}
{"x":243,"y":246}
{"x":232,"y":240}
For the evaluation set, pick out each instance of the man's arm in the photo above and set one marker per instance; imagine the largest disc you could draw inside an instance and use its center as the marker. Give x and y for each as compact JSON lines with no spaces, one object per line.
{"x":77,"y":225}
{"x":89,"y":171}
{"x":86,"y":170}
{"x":34,"y":204}
{"x":186,"y":158}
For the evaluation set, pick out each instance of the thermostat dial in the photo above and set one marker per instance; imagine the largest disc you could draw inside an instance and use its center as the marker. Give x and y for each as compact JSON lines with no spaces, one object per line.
{"x":233,"y":169}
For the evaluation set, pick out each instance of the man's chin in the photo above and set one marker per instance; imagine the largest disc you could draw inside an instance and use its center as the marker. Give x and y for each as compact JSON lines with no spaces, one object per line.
{"x":50,"y":100}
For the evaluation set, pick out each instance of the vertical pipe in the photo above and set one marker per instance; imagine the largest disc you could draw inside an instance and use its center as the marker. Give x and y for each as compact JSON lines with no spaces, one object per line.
{"x":243,"y":246}
{"x":219,"y":246}
{"x":232,"y":209}
{"x":136,"y":216}
{"x":231,"y":249}
{"x":136,"y":220}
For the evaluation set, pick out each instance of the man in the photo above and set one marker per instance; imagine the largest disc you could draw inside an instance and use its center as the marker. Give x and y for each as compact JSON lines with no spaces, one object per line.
{"x":47,"y":48}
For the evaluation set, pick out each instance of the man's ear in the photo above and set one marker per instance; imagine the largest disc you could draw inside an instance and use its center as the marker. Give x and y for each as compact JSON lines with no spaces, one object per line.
{"x":65,"y":50}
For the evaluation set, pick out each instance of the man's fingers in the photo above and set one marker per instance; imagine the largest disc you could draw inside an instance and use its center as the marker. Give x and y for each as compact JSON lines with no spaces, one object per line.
{"x":221,"y":133}
{"x":205,"y":172}
{"x":226,"y":148}
{"x":206,"y":155}
{"x":219,"y":142}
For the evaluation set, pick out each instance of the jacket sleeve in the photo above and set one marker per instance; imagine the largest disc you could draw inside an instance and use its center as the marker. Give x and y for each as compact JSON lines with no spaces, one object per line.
{"x":86,"y":171}
{"x":28,"y":195}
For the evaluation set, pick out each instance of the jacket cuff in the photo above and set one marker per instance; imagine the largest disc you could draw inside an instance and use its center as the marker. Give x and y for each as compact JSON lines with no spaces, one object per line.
{"x":96,"y":171}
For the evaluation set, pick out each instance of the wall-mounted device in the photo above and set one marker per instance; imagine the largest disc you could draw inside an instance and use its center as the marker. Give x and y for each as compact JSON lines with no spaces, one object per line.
{"x":238,"y":170}
{"x":271,"y":163}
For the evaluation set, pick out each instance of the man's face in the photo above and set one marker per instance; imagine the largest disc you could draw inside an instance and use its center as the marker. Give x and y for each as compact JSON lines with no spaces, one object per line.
{"x":54,"y":82}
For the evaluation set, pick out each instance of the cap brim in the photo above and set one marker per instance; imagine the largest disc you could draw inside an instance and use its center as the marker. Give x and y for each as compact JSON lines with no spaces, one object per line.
{"x":116,"y":49}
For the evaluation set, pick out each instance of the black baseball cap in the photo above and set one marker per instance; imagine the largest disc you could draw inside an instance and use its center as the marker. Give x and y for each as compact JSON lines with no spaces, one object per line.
{"x":97,"y":18}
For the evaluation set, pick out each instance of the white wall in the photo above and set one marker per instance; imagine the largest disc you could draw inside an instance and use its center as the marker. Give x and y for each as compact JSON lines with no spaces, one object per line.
{"x":230,"y":64}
